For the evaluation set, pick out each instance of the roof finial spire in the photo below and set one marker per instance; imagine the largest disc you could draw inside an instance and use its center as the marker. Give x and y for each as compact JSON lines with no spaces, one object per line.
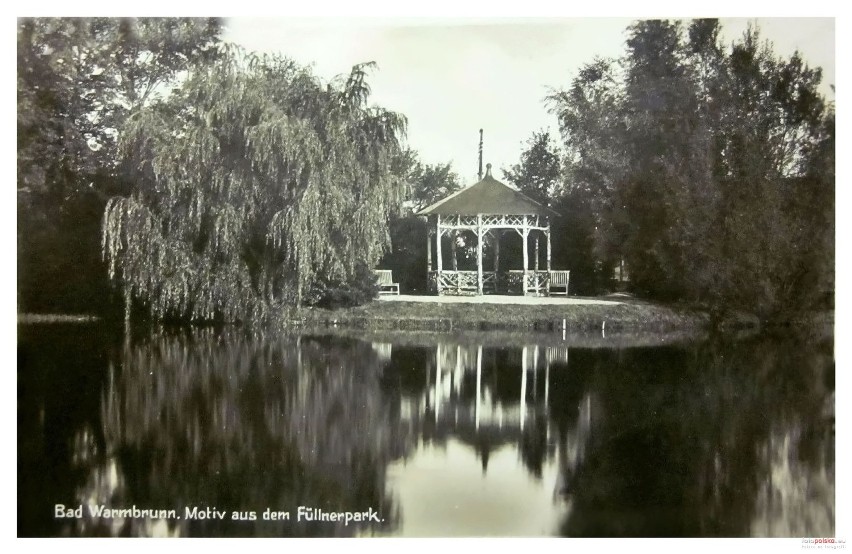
{"x":488,"y":170}
{"x":480,"y":154}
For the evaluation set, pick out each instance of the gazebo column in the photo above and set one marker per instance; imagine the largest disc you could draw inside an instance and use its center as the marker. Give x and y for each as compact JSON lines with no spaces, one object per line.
{"x":525,"y":233}
{"x":429,"y":235}
{"x":438,"y":253}
{"x":479,"y":238}
{"x":497,"y":235}
{"x":536,"y":253}
{"x":547,"y":234}
{"x":454,"y":247}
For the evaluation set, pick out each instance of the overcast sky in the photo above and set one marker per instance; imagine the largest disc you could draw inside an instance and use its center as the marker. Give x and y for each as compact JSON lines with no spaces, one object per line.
{"x":453,"y":77}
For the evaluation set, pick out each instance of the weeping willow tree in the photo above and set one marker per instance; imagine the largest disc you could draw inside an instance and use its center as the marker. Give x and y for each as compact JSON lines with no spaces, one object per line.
{"x":254,"y":180}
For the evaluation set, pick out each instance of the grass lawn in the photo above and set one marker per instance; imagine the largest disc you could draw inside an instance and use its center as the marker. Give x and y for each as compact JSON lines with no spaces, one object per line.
{"x":629,"y":315}
{"x":56,"y":318}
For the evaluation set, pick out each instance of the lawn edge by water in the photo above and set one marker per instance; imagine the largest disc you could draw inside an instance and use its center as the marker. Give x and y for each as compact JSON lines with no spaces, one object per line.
{"x":28,"y":318}
{"x":629,"y":315}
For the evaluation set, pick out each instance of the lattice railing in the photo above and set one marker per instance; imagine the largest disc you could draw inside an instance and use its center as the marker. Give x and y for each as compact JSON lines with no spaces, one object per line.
{"x":505,"y":220}
{"x":451,"y":221}
{"x":506,"y":282}
{"x":489,"y":281}
{"x":538,"y":282}
{"x":457,"y":282}
{"x":513,"y":281}
{"x":491,"y":220}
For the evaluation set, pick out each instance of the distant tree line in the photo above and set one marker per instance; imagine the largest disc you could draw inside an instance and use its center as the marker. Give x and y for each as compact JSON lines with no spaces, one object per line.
{"x":707,"y":169}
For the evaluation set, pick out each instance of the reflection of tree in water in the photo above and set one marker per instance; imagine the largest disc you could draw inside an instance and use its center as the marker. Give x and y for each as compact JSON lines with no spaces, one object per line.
{"x":798,"y":497}
{"x":61,"y":371}
{"x":210,"y":419}
{"x":711,"y":439}
{"x":716,"y":440}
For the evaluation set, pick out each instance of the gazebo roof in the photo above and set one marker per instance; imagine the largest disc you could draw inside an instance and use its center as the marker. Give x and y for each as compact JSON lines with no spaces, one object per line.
{"x":488,"y":197}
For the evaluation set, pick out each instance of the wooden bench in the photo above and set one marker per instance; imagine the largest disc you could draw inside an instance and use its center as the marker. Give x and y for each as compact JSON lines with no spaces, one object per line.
{"x":559,"y":280}
{"x":385,"y":282}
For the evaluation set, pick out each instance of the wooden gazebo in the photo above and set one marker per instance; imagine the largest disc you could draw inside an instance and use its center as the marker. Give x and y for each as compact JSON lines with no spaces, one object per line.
{"x":489,"y":209}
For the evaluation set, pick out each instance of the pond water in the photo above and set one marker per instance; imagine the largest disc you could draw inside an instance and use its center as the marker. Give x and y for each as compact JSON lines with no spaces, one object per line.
{"x":213,"y":433}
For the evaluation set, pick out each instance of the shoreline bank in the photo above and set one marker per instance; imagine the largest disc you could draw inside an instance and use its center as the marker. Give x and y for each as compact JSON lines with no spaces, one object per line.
{"x":576,"y":315}
{"x":27,"y":318}
{"x":400,"y":315}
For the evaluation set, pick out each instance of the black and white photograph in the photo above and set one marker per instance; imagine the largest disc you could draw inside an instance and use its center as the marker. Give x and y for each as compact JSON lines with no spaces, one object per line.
{"x":381,"y":277}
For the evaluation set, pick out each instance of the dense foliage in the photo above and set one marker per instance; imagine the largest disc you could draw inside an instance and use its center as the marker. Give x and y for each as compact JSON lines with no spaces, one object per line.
{"x":430,"y":183}
{"x":198,"y":182}
{"x":708,"y":169}
{"x":252,"y":182}
{"x":78,"y":80}
{"x":427,"y":184}
{"x":539,"y":173}
{"x":344,"y":292}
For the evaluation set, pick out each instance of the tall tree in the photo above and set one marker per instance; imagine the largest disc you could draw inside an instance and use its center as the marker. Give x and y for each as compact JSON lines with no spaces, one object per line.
{"x":592,"y":121}
{"x":772,"y":116}
{"x":539,"y":172}
{"x":427,"y":184}
{"x":255,"y":180}
{"x":78,"y":79}
{"x":660,"y":107}
{"x":430,"y":183}
{"x":699,"y":162}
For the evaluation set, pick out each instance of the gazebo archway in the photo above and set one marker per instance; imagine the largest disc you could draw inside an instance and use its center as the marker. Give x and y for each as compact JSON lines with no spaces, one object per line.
{"x":490,"y":209}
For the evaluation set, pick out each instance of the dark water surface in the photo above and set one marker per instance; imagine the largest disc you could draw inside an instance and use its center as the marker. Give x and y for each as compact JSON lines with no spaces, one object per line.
{"x":422,"y":436}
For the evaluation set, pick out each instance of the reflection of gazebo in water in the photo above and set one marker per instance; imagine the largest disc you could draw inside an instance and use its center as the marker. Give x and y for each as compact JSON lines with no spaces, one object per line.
{"x":490,"y":397}
{"x":489,"y":208}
